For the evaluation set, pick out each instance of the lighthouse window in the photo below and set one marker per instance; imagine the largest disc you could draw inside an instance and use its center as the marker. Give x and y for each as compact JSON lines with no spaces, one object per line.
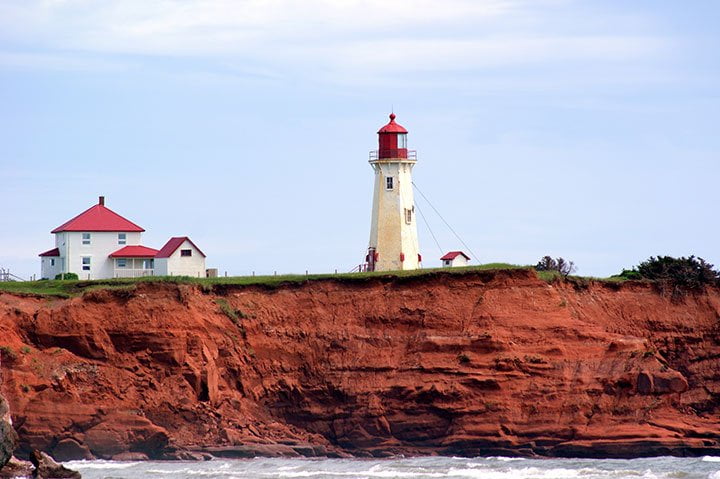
{"x":408,"y":216}
{"x":402,"y":140}
{"x":389,"y":182}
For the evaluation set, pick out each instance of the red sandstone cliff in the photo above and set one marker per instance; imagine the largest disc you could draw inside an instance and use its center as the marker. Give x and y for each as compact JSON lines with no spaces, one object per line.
{"x":495,"y":362}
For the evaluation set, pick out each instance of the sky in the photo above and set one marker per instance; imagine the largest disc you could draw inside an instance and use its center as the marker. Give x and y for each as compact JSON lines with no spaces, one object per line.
{"x":581,"y":129}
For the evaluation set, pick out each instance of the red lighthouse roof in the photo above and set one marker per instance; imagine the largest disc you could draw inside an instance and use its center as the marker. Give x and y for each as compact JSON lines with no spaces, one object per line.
{"x":392,"y":127}
{"x":98,"y":218}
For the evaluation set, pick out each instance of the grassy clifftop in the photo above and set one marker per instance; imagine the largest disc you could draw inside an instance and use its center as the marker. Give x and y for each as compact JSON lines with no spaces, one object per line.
{"x":69,"y":288}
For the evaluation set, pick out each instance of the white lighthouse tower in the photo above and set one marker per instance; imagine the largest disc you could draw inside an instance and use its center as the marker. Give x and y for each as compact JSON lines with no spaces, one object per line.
{"x":393,"y":233}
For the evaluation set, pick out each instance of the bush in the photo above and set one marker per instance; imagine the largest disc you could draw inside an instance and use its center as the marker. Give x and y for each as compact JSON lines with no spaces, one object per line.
{"x":560,"y":265}
{"x":7,"y":354}
{"x":628,"y":274}
{"x":685,"y":273}
{"x":66,"y":276}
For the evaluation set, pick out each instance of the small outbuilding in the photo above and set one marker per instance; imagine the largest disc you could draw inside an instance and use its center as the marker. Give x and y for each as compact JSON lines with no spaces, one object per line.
{"x":180,"y":257}
{"x":454,"y":259}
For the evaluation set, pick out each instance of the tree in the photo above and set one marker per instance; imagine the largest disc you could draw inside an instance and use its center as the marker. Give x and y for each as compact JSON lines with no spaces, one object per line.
{"x":546,"y":264}
{"x":560,"y":265}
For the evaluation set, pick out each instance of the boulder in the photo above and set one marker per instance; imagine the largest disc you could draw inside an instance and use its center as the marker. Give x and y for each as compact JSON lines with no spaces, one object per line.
{"x":661,"y":382}
{"x":8,"y":442}
{"x":130,"y":456}
{"x":47,"y":468}
{"x":69,"y":449}
{"x":16,"y":468}
{"x":123,"y":432}
{"x":8,"y":436}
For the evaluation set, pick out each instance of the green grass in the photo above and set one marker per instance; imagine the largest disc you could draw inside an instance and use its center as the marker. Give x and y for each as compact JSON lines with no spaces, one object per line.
{"x":228,"y":310}
{"x":70,"y":288}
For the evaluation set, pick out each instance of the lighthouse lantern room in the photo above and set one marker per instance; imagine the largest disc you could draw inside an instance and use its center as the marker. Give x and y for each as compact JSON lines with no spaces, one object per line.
{"x":393,"y":231}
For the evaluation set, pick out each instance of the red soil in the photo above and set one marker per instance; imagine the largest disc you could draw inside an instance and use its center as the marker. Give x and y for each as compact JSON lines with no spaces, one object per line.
{"x":479,"y":363}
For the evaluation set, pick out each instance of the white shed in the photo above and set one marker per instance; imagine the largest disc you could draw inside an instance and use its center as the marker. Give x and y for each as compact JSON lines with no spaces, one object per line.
{"x":180,"y":257}
{"x":455,"y":258}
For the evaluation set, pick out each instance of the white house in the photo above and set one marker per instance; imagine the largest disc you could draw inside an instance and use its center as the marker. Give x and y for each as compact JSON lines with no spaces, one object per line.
{"x":455,"y":258}
{"x":99,"y":243}
{"x":180,"y":257}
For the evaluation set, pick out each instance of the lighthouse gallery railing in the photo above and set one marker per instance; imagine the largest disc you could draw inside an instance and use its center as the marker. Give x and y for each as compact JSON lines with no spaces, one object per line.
{"x":399,"y":153}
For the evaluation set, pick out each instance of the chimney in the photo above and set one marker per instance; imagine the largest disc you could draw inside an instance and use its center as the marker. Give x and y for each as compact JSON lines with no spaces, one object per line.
{"x":101,"y":201}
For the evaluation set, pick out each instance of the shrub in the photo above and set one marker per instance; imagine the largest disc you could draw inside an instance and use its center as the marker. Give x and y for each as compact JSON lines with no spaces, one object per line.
{"x":7,"y":353}
{"x":685,"y":273}
{"x":560,"y":265}
{"x":628,"y":274}
{"x":66,"y":276}
{"x":228,"y":310}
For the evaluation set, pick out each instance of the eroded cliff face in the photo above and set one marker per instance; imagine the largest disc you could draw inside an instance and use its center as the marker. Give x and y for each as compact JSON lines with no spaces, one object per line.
{"x":495,"y":362}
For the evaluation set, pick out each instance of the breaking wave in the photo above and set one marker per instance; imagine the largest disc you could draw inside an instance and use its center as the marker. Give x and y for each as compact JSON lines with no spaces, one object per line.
{"x":419,"y":468}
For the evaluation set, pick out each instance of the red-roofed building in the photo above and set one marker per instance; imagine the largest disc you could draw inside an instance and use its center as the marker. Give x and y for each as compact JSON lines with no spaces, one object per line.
{"x":98,"y":218}
{"x":99,"y":243}
{"x":180,"y":257}
{"x":455,"y":258}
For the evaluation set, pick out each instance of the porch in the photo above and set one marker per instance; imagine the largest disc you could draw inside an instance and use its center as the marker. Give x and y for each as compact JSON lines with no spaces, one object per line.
{"x":133,"y":267}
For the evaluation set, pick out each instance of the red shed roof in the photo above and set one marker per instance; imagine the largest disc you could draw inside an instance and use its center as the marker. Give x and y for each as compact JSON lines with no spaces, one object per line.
{"x":51,"y":252}
{"x":173,"y":244}
{"x":392,"y":127}
{"x":454,"y":254}
{"x":98,"y":218}
{"x":134,"y":252}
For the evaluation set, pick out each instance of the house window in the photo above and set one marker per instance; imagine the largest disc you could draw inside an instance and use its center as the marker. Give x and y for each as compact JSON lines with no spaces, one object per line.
{"x":121,"y":263}
{"x":52,"y":261}
{"x":185,"y":252}
{"x":148,"y":263}
{"x":122,"y":238}
{"x":408,"y":216}
{"x":388,"y":182}
{"x":86,"y":238}
{"x":447,"y":262}
{"x":86,"y":263}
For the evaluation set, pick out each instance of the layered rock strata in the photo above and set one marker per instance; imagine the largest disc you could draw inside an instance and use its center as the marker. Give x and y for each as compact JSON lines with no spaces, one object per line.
{"x":496,"y":362}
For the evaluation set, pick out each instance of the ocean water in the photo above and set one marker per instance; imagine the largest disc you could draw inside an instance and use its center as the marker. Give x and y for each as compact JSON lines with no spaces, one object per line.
{"x":419,"y":467}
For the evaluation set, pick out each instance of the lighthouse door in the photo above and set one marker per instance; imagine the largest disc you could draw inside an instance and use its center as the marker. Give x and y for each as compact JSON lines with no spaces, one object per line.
{"x":371,"y":259}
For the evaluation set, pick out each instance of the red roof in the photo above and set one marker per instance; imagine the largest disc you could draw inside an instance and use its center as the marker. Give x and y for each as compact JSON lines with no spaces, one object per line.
{"x":51,"y":252}
{"x":134,"y":252}
{"x":392,"y":127}
{"x":173,"y":244}
{"x":454,"y":254}
{"x":98,"y":218}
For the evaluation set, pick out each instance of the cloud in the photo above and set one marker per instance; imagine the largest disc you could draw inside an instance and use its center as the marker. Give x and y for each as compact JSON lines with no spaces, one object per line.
{"x":348,"y":41}
{"x":61,"y":61}
{"x":180,"y":27}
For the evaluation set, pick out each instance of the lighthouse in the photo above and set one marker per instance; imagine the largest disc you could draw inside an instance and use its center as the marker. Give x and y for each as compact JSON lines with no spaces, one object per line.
{"x":393,"y":231}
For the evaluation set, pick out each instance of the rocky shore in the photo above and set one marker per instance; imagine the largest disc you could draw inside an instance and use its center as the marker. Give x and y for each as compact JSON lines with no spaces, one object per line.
{"x":40,"y":466}
{"x":482,"y":363}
